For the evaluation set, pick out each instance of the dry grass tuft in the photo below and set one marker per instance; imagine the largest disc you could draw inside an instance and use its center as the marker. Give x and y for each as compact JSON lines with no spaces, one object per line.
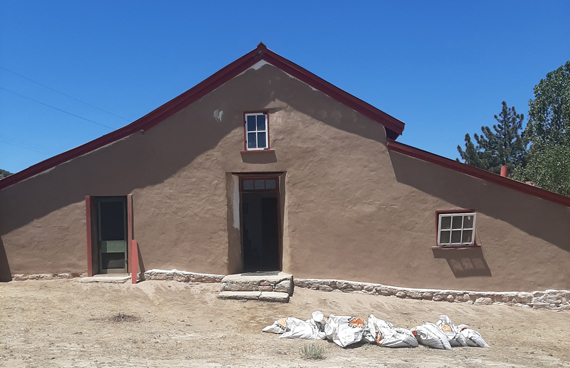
{"x":312,"y":351}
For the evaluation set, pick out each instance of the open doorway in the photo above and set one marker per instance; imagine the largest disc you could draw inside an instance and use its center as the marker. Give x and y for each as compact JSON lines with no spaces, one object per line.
{"x":260,"y":223}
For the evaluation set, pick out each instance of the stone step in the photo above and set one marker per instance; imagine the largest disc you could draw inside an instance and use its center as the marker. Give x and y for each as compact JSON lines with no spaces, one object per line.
{"x":109,"y":278}
{"x":264,"y":296}
{"x":279,"y":282}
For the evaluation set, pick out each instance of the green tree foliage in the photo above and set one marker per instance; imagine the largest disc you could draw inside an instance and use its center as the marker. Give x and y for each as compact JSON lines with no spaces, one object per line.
{"x":502,"y":145}
{"x":548,"y":130}
{"x":4,"y":173}
{"x":548,"y":167}
{"x":549,"y":114}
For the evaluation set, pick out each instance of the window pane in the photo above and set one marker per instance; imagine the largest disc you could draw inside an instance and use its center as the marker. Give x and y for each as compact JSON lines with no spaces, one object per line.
{"x":468,"y":222}
{"x":467,"y":236}
{"x":457,"y":220}
{"x":456,"y":237}
{"x":260,"y":122}
{"x":260,"y":184}
{"x":251,"y":140}
{"x":445,"y":237}
{"x":261,"y":141}
{"x":248,"y":184}
{"x":251,"y":123}
{"x":446,"y":222}
{"x":270,"y":184}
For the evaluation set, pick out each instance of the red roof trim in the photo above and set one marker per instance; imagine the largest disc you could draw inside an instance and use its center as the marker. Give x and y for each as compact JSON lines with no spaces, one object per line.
{"x":394,"y":126}
{"x":478,"y":173}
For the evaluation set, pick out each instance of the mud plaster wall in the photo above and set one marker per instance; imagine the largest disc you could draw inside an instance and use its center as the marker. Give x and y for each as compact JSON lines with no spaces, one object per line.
{"x":351,"y":209}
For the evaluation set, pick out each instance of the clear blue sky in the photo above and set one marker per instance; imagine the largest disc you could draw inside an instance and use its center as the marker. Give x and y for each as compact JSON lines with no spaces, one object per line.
{"x":442,"y":67}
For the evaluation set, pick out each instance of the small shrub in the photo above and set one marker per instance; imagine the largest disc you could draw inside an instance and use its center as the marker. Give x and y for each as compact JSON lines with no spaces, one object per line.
{"x":121,"y":317}
{"x":312,"y":351}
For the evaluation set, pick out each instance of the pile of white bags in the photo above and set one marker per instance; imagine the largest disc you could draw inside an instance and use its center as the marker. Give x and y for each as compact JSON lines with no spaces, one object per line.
{"x":348,"y":330}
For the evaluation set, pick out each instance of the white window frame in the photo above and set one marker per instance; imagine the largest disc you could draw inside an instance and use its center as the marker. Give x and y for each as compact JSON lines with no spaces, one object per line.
{"x":453,"y":215}
{"x":256,"y":132}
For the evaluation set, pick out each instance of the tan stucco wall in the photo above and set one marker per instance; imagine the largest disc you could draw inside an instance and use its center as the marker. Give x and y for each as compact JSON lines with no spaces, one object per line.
{"x":350,"y":210}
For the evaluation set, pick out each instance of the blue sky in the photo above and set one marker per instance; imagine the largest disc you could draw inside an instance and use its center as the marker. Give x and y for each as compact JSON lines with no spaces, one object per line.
{"x":442,"y":67}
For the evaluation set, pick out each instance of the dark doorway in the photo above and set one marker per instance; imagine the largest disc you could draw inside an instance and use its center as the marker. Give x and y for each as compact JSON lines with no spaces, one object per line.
{"x":112,"y":234}
{"x":260,"y":223}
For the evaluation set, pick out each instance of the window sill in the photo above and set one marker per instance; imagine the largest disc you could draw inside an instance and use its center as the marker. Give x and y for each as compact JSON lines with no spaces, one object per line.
{"x":258,"y":151}
{"x":436,"y":247}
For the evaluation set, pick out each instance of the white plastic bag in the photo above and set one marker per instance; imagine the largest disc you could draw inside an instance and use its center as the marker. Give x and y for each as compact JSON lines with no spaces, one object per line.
{"x":307,"y":330}
{"x":294,"y":328}
{"x":375,"y":325}
{"x":431,"y":336}
{"x":396,"y":338}
{"x":278,"y":327}
{"x":472,"y":337}
{"x":448,"y":328}
{"x":344,"y":330}
{"x":386,"y":335}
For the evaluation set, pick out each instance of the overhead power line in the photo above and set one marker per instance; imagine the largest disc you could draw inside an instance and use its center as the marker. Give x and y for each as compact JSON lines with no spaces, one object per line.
{"x":61,"y":93}
{"x":23,"y":145}
{"x":58,"y":109}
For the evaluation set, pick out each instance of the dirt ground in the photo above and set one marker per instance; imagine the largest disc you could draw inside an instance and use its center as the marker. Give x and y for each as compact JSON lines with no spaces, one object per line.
{"x":64,"y":323}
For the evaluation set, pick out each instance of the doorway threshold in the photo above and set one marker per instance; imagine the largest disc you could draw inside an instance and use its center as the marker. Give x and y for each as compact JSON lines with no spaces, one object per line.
{"x":119,"y":278}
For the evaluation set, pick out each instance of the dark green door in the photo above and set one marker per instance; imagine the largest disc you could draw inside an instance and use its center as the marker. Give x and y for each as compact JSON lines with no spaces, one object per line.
{"x":112,"y":234}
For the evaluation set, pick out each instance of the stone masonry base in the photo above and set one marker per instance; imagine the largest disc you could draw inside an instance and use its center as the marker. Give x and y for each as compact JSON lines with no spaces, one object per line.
{"x":549,"y":299}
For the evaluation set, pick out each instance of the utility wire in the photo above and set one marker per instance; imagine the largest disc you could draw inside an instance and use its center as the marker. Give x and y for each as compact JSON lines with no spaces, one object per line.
{"x":61,"y":93}
{"x":55,"y":108}
{"x":23,"y":142}
{"x":23,"y":145}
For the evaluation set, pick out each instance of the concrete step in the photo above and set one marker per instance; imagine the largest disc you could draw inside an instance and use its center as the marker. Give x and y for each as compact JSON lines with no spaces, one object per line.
{"x":109,"y":278}
{"x":279,"y":282}
{"x":264,"y":296}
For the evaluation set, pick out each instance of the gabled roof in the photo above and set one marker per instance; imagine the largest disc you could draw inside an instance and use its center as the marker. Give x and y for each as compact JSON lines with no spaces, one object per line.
{"x":394,"y":127}
{"x":478,"y":173}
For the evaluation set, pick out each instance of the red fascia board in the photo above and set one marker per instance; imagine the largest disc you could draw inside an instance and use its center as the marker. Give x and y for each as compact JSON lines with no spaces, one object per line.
{"x":200,"y":90}
{"x":478,"y":173}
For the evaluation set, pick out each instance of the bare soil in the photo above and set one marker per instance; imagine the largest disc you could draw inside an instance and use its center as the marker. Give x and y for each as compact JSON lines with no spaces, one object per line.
{"x":64,"y":323}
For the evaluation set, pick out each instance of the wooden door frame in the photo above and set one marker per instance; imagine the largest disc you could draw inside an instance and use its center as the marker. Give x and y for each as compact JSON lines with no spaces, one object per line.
{"x":92,"y":232}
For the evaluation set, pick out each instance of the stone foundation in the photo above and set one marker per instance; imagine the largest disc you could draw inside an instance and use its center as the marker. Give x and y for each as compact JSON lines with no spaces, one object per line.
{"x":46,"y":276}
{"x":549,"y":299}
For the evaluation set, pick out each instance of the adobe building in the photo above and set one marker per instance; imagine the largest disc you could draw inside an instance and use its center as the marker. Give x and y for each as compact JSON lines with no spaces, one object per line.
{"x":265,"y":166}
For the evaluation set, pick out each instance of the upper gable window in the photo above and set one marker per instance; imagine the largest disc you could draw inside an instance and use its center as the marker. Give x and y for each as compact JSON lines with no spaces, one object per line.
{"x":256,"y":132}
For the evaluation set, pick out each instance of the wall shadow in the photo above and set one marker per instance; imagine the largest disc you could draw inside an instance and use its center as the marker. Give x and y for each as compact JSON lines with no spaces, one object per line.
{"x":142,"y":268}
{"x":532,"y":215}
{"x":259,"y":157}
{"x":464,"y":262}
{"x":5,"y":273}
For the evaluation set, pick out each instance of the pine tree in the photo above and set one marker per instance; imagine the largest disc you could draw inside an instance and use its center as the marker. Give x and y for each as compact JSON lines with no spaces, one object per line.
{"x":504,"y":145}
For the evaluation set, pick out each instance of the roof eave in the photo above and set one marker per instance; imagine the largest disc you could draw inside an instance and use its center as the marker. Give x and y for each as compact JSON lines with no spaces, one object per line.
{"x":478,"y":173}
